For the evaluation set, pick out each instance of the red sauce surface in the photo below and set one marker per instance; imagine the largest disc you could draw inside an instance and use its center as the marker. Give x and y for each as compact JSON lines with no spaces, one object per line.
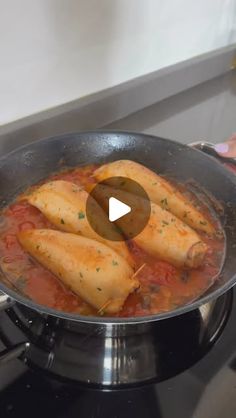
{"x":163,"y":287}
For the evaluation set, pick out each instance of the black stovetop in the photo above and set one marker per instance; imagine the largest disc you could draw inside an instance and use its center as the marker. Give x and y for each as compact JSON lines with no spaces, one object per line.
{"x":206,"y":390}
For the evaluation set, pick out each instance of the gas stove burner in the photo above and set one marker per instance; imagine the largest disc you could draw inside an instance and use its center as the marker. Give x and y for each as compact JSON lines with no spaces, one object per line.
{"x":89,"y":354}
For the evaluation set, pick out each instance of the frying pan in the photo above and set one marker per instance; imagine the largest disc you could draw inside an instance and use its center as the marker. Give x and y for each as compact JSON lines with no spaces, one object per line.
{"x":31,"y":163}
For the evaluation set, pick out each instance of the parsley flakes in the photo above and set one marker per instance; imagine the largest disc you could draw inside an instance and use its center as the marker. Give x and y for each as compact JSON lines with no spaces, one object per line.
{"x":164,"y":202}
{"x":81,"y":215}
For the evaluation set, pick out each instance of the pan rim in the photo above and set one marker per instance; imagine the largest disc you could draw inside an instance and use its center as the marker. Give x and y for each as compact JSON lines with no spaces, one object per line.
{"x":96,"y":320}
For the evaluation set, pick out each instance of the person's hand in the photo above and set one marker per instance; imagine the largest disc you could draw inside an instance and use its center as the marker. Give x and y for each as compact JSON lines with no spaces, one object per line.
{"x":228,"y":148}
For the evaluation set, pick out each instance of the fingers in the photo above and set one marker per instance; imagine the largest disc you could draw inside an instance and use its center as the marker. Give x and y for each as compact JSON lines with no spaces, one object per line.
{"x":228,"y":148}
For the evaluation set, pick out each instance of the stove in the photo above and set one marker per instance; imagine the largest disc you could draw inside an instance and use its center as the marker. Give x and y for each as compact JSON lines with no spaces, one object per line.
{"x":183,"y":368}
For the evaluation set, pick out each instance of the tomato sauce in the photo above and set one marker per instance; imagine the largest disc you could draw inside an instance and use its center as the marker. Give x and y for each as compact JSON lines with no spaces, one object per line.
{"x":163,"y":286}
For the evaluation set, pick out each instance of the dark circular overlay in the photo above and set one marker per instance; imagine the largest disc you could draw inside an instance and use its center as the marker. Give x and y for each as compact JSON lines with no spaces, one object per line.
{"x":126,"y":191}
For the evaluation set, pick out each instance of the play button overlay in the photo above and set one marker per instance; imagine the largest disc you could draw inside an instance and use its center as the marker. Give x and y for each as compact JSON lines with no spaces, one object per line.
{"x":117,"y":209}
{"x":126,"y":205}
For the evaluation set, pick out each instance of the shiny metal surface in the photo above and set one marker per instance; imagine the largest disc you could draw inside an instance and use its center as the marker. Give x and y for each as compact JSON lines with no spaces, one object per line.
{"x":92,"y":356}
{"x":5,"y":301}
{"x":14,"y":352}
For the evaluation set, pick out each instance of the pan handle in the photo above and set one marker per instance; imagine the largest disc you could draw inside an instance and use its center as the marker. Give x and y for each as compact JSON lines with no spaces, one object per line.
{"x":208,"y":148}
{"x":5,"y":301}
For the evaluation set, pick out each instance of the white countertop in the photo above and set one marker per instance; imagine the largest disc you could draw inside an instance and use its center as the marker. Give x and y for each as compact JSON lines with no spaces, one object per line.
{"x":56,"y":51}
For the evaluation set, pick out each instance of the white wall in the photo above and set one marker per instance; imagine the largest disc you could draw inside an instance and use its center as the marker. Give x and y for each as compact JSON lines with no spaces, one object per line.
{"x":55,"y":51}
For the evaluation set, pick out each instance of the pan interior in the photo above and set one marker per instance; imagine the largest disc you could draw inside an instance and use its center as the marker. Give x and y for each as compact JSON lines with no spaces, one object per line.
{"x":34,"y":162}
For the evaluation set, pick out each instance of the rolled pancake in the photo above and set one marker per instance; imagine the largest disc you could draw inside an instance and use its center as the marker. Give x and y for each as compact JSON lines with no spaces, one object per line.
{"x":64,"y":205}
{"x":159,"y":190}
{"x":90,"y":269}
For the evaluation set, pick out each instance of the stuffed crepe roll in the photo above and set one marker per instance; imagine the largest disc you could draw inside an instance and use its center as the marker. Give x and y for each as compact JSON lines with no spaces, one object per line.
{"x":164,"y":236}
{"x":90,"y":269}
{"x":159,"y":190}
{"x":64,"y":205}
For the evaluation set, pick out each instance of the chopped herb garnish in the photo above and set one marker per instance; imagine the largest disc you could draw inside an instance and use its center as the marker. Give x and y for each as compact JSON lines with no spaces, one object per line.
{"x":114,"y":263}
{"x":165,"y":223}
{"x":81,"y":275}
{"x":62,"y":221}
{"x":98,"y":268}
{"x":81,"y":215}
{"x":164,"y":202}
{"x":99,"y":288}
{"x":203,"y":222}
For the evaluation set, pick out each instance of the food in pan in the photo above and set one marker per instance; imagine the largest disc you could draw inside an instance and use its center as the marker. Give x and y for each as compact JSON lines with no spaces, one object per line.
{"x":164,"y":236}
{"x":171,"y":267}
{"x":95,"y":272}
{"x":159,"y":190}
{"x":64,"y":205}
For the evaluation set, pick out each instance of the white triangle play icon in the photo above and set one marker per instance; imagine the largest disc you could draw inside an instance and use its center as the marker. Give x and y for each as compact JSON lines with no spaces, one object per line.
{"x":117,"y":209}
